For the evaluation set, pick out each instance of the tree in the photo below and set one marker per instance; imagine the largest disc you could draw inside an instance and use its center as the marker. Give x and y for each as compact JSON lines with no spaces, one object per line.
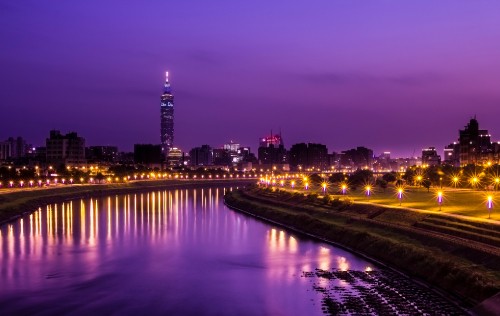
{"x":361,"y":177}
{"x":337,"y":177}
{"x":426,"y":183}
{"x":381,"y":183}
{"x":390,"y":177}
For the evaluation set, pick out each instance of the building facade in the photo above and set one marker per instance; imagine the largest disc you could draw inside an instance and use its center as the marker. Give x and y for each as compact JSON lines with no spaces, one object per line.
{"x":475,"y":144}
{"x":166,"y":118}
{"x":357,"y":158}
{"x":272,"y":150}
{"x":430,"y":157}
{"x":66,"y":149}
{"x":314,"y":156}
{"x":201,"y":156}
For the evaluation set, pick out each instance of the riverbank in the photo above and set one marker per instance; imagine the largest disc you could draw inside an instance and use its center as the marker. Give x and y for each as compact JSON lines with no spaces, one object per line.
{"x":17,"y":203}
{"x":461,"y":258}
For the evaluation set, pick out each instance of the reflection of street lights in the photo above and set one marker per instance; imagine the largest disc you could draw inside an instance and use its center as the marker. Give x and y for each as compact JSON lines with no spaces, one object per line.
{"x":489,"y":204}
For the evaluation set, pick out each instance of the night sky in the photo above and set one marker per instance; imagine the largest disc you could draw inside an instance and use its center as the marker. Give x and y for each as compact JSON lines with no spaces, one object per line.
{"x":390,"y":75}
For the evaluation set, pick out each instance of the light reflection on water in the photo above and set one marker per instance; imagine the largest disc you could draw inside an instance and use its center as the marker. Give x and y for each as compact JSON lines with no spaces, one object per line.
{"x":162,"y":252}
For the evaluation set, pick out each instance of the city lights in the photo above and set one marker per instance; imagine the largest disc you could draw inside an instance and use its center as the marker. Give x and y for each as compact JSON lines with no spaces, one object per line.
{"x":400,"y":192}
{"x":368,"y":190}
{"x":489,"y":204}
{"x":440,"y":199}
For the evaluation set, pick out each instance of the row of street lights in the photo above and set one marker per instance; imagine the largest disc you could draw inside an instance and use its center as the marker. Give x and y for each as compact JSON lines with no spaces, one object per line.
{"x":368,"y":190}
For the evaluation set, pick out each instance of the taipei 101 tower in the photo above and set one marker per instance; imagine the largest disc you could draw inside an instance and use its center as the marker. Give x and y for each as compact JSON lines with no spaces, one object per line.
{"x":167,"y":117}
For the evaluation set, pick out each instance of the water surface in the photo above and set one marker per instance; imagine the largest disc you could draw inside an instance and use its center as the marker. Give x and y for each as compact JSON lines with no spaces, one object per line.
{"x":175,"y":252}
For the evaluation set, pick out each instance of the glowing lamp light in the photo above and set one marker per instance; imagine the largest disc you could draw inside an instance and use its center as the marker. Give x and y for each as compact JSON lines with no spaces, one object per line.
{"x":39,"y":183}
{"x":440,"y":199}
{"x":21,"y":183}
{"x":323,"y":185}
{"x":11,"y":183}
{"x":489,"y":204}
{"x":306,"y":185}
{"x":293,"y":184}
{"x":400,"y":195}
{"x":368,"y":190}
{"x":282,"y":183}
{"x":31,"y":183}
{"x":344,"y":189}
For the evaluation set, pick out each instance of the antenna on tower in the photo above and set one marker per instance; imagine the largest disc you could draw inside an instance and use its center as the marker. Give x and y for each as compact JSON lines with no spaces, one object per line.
{"x":166,"y":76}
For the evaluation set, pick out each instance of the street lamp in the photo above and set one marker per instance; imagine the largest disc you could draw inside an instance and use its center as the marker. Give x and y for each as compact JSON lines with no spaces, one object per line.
{"x":323,"y":185}
{"x":368,"y":190}
{"x":292,"y":184}
{"x":344,"y":189}
{"x":489,"y":204}
{"x":440,"y":199}
{"x":474,"y":181}
{"x":400,"y":195}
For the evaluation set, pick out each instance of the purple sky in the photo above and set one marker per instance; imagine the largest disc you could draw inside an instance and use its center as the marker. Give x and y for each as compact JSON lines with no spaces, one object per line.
{"x":389,"y":75}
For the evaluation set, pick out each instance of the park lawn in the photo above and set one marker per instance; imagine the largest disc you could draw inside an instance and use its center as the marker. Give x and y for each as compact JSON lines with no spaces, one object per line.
{"x":472,"y":203}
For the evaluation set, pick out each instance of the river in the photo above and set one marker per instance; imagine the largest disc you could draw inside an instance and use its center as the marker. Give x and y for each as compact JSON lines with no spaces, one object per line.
{"x":183,"y":252}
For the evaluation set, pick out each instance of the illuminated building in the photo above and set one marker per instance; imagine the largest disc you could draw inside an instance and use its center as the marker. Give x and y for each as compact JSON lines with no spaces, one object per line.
{"x":475,"y":144}
{"x":430,"y":157}
{"x":356,"y":158}
{"x":451,"y":154}
{"x":175,"y":157}
{"x":272,"y":151}
{"x":167,"y":118}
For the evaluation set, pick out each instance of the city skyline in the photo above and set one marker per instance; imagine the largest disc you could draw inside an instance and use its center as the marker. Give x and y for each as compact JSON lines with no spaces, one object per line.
{"x":339,"y":74}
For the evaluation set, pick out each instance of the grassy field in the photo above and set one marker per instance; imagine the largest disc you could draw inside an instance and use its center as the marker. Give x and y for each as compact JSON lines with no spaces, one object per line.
{"x":465,"y":202}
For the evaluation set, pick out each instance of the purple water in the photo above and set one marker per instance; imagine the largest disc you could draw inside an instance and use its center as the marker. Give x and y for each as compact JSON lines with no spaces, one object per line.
{"x":177,"y":252}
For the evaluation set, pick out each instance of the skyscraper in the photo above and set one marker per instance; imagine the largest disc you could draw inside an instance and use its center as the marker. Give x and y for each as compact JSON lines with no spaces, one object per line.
{"x":167,"y":117}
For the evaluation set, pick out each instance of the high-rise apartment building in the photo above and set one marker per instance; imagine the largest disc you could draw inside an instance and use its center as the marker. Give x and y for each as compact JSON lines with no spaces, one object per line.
{"x":66,"y":149}
{"x":475,"y":144}
{"x":309,"y":156}
{"x":167,"y":118}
